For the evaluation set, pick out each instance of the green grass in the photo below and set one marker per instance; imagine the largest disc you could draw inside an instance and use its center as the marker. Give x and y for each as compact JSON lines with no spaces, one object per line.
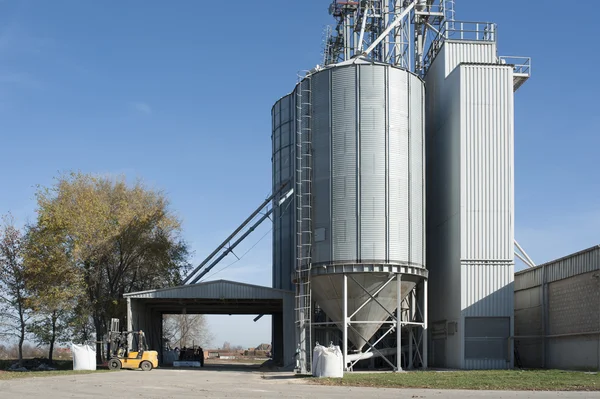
{"x":530,"y":380}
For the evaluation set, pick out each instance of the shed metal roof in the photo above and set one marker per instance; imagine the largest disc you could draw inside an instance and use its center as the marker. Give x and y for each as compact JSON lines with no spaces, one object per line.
{"x":218,"y":289}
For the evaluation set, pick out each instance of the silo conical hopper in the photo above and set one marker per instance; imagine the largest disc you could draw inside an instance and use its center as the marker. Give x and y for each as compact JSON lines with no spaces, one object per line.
{"x":327,"y":291}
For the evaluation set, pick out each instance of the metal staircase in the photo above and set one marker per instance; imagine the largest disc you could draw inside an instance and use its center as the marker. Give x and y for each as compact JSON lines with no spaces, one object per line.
{"x":304,"y":234}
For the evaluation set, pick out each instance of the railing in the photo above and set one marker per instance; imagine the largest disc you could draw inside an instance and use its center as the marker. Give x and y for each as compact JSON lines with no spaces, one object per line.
{"x":466,"y":30}
{"x":522,"y":65}
{"x":459,"y":30}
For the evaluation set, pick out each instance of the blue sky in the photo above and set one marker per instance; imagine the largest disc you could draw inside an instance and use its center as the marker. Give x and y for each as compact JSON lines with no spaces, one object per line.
{"x":179,"y":94}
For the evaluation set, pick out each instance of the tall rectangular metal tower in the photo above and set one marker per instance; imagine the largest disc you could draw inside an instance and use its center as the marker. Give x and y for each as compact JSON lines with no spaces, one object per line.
{"x":470,"y":198}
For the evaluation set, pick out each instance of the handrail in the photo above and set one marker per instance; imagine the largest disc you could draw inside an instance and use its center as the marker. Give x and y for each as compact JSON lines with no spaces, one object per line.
{"x":522,"y":65}
{"x":460,"y":31}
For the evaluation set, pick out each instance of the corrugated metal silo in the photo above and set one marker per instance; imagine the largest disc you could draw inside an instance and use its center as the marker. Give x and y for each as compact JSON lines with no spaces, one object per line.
{"x":366,"y":129}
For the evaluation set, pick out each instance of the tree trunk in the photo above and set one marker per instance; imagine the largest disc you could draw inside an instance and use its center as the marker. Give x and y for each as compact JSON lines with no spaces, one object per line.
{"x":53,"y":338}
{"x":22,"y":335}
{"x":99,"y":338}
{"x":21,"y":339}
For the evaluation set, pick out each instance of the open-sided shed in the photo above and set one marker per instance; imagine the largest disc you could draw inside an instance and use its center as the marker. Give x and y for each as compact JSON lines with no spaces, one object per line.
{"x":145,"y":309}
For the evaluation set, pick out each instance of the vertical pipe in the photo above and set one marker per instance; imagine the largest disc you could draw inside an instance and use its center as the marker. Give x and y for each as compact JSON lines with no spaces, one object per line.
{"x":544,"y":309}
{"x":410,"y":329}
{"x":399,"y":322}
{"x":425,"y":335}
{"x":385,"y":9}
{"x":345,"y":327}
{"x":302,"y":326}
{"x":347,"y":37}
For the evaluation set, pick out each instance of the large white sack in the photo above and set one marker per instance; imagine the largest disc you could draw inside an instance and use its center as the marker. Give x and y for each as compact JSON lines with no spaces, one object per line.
{"x":316,"y":360}
{"x":84,"y":357}
{"x":332,"y":363}
{"x":328,"y":362}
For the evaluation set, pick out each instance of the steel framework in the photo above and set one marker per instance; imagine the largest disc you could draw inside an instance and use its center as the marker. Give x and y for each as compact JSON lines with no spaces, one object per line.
{"x":401,"y":342}
{"x":390,"y":31}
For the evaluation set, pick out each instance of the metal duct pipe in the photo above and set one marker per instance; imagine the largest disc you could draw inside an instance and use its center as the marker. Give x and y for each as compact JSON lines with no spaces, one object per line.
{"x":368,"y":355}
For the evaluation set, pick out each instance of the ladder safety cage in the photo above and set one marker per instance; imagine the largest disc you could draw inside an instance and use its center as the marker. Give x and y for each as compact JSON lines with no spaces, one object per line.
{"x":303,"y":228}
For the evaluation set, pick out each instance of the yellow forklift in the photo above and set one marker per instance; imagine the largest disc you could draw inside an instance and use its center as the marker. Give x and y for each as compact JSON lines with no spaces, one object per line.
{"x":121,"y":356}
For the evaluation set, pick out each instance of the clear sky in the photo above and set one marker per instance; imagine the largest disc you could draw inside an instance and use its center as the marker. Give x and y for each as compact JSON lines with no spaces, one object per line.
{"x":180,"y":93}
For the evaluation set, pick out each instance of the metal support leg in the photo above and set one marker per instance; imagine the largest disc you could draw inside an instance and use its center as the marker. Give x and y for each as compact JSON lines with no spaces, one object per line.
{"x":399,"y":323}
{"x":345,"y":315}
{"x":411,"y":312}
{"x":425,"y":337}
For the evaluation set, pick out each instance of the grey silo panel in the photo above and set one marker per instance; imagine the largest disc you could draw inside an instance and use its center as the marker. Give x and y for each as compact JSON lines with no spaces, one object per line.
{"x":372,"y":88}
{"x":398,"y":163}
{"x":343,"y":162}
{"x":321,"y":141}
{"x":283,"y":166}
{"x":417,"y":182}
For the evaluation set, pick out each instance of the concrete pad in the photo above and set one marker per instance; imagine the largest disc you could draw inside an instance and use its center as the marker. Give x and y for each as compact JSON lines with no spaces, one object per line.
{"x":222,"y":383}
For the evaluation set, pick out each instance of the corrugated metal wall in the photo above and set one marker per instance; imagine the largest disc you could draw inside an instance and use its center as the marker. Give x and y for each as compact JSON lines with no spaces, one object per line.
{"x":398,"y":188}
{"x":487,"y":162}
{"x":470,"y":205}
{"x":580,"y":262}
{"x":372,"y":160}
{"x":457,"y":52}
{"x":283,"y":115}
{"x":443,"y":213}
{"x":218,"y":289}
{"x":557,"y":318}
{"x":374,"y":186}
{"x":343,"y":165}
{"x":417,"y":170}
{"x":487,"y":196}
{"x":488,"y":289}
{"x":321,"y":119}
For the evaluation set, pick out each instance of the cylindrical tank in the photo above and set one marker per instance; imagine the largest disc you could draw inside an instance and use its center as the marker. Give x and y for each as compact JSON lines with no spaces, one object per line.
{"x":366,"y":134}
{"x":283,"y":139}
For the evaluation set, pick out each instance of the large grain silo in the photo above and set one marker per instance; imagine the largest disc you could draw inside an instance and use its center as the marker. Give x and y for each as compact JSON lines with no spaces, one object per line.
{"x":349,"y":230}
{"x":350,"y":137}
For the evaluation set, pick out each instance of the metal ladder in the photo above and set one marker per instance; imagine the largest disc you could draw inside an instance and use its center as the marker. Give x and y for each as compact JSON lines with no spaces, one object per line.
{"x":304,"y":234}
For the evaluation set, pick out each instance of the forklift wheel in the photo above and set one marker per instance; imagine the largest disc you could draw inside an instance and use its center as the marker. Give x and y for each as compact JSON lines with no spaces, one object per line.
{"x":146,"y":365}
{"x":114,"y":364}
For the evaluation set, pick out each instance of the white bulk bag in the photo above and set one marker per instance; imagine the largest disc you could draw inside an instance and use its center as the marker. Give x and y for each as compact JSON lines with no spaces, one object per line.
{"x":316,"y":360}
{"x":328,"y":362}
{"x":84,"y":357}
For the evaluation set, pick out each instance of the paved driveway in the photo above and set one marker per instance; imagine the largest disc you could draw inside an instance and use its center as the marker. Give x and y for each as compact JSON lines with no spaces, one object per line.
{"x":215,"y":382}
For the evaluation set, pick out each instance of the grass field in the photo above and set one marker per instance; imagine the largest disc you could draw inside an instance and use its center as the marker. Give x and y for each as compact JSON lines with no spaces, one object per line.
{"x":530,"y":380}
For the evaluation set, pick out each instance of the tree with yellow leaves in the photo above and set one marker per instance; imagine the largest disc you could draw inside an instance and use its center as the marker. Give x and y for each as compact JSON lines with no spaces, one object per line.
{"x":104,"y":238}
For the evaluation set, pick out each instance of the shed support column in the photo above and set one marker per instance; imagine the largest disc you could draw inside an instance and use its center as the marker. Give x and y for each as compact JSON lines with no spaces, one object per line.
{"x":129,"y":322}
{"x":425,"y":335}
{"x":399,"y":322}
{"x":129,"y":315}
{"x":345,"y":326}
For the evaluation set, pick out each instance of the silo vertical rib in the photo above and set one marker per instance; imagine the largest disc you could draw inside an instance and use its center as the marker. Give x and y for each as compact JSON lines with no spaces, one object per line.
{"x":416,"y":170}
{"x":343,"y":164}
{"x":321,"y":144}
{"x":399,"y":228}
{"x":372,"y":164}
